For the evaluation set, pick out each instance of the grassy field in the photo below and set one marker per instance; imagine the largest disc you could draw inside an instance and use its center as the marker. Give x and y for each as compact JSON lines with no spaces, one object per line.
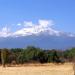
{"x":45,"y":69}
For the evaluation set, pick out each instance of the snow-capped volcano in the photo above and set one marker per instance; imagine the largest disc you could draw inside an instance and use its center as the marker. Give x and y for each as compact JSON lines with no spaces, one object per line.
{"x":40,"y":35}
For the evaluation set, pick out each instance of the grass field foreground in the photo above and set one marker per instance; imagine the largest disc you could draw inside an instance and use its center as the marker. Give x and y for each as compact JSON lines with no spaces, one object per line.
{"x":45,"y":69}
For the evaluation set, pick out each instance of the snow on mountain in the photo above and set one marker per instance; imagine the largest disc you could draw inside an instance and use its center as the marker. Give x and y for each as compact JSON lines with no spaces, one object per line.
{"x":29,"y":28}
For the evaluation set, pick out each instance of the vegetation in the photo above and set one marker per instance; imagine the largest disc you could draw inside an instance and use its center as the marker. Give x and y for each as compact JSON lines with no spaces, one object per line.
{"x":35,"y":55}
{"x":4,"y":56}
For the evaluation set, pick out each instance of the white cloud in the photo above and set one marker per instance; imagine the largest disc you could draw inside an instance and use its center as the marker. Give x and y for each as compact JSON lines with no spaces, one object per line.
{"x":28,"y":24}
{"x":5,"y":29}
{"x":5,"y":32}
{"x":45,"y":23}
{"x":19,"y":24}
{"x":29,"y":28}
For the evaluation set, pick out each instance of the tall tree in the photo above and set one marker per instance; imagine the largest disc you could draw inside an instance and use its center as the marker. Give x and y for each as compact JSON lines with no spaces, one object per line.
{"x":4,"y":56}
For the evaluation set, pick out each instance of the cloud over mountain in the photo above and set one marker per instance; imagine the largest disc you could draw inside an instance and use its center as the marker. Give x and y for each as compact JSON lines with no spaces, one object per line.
{"x":29,"y":28}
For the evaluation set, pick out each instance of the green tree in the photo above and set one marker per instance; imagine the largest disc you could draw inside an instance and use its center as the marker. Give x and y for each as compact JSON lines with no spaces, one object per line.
{"x":70,"y":54}
{"x":29,"y":54}
{"x":15,"y":54}
{"x":42,"y":57}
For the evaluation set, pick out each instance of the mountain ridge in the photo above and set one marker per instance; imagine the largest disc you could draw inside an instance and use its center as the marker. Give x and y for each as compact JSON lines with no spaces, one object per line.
{"x":42,"y":41}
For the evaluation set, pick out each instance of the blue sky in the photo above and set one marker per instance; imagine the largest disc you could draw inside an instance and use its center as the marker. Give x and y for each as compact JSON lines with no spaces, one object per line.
{"x":62,"y":12}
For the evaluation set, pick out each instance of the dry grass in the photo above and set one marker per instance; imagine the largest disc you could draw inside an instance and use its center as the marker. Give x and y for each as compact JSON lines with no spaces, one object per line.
{"x":38,"y":69}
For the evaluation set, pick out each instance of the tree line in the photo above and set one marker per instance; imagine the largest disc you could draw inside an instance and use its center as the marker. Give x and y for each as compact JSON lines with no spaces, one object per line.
{"x":32,"y":54}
